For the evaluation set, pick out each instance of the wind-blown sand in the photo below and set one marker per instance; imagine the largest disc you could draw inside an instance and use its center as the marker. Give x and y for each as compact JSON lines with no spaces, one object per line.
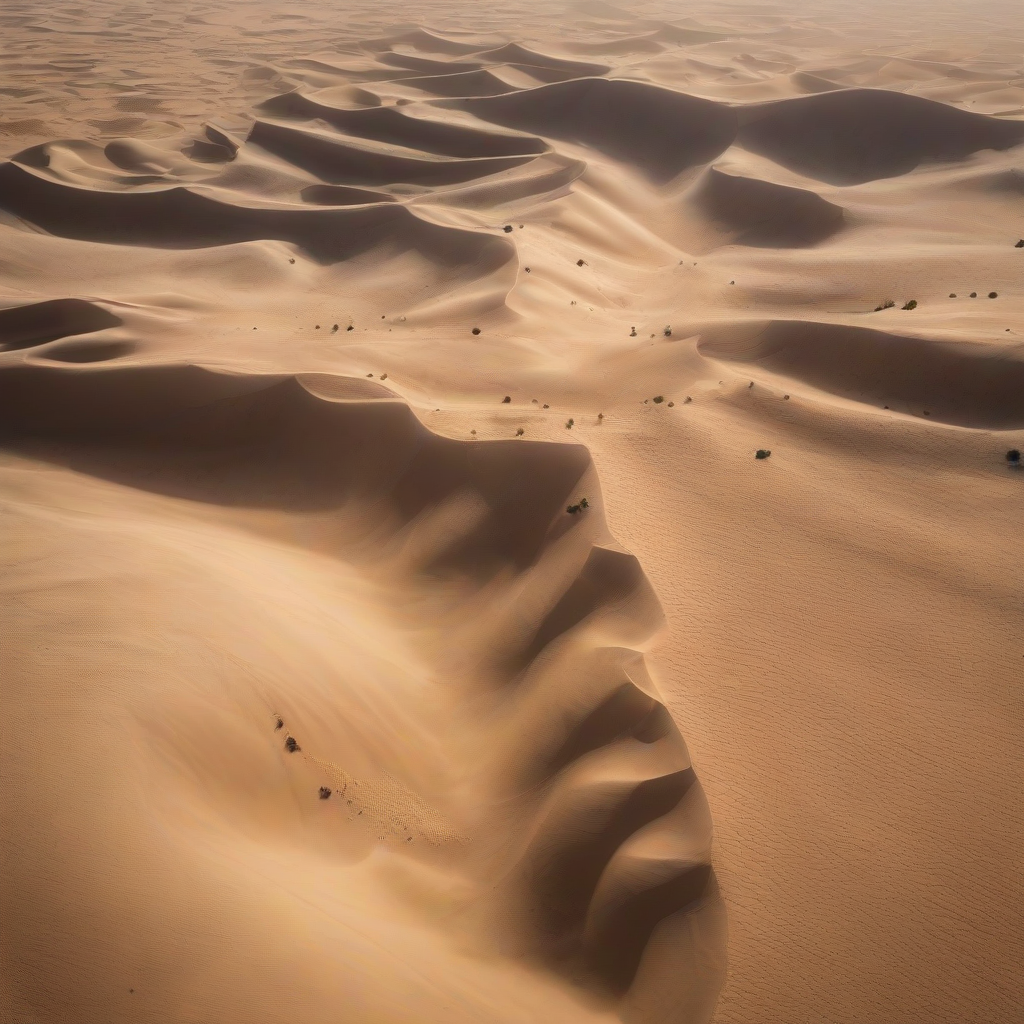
{"x":315,"y":321}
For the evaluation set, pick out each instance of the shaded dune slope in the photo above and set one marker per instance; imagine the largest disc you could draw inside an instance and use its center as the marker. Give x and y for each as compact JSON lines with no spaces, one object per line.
{"x":856,"y":135}
{"x":765,"y":213}
{"x":41,"y":322}
{"x":391,"y":125}
{"x":337,"y":161}
{"x":662,"y":131}
{"x":182,"y":218}
{"x":969,"y":385}
{"x":599,"y":834}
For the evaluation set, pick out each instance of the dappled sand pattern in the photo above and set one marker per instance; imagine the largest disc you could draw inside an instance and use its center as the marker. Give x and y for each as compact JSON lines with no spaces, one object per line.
{"x":379,"y":401}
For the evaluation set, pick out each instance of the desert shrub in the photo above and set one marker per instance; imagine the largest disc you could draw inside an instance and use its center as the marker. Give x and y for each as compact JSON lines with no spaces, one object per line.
{"x":762,"y":453}
{"x":952,"y":295}
{"x":325,"y":792}
{"x":1020,"y":244}
{"x":974,"y":295}
{"x":569,"y":423}
{"x":658,"y":399}
{"x":668,"y":331}
{"x":476,"y":330}
{"x":888,"y":304}
{"x":280,"y":724}
{"x":507,"y":228}
{"x":993,"y":295}
{"x":576,"y":509}
{"x":1013,"y":456}
{"x":912,"y":304}
{"x":581,"y":263}
{"x":291,"y":744}
{"x":506,"y":400}
{"x":520,"y":432}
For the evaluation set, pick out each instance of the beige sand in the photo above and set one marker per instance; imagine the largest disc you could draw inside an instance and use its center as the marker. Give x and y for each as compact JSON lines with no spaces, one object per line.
{"x":314,"y":321}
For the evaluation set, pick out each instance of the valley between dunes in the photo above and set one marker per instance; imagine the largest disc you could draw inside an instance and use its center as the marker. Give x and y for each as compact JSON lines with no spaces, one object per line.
{"x":397,"y":623}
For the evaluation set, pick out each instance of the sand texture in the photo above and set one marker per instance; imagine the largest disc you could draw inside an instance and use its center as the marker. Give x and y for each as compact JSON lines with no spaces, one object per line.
{"x":380,"y":390}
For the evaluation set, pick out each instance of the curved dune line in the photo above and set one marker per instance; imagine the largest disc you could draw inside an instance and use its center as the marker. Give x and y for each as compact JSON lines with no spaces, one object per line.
{"x":610,"y":837}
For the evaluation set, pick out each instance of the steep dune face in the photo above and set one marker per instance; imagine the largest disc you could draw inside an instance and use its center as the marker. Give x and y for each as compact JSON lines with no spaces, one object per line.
{"x":860,"y":135}
{"x":764,"y":213}
{"x":661,"y":131}
{"x":606,"y":849}
{"x":955,"y":382}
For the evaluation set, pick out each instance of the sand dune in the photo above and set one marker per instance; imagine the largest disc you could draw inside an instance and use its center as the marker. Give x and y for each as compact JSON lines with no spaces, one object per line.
{"x":379,"y":399}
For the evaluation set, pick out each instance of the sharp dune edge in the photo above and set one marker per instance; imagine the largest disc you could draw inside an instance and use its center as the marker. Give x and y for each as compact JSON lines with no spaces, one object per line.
{"x":328,"y":697}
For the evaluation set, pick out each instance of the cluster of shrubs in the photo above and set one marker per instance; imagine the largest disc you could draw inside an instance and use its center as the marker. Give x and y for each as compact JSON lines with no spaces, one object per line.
{"x":575,"y":509}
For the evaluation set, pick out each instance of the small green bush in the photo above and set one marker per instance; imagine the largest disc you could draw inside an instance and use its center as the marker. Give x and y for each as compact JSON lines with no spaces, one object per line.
{"x":569,"y":423}
{"x":292,"y":744}
{"x":888,"y":304}
{"x":762,"y":453}
{"x":658,"y":399}
{"x":912,"y":304}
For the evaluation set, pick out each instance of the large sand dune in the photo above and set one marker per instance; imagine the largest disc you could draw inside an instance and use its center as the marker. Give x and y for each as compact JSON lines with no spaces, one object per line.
{"x":328,"y":697}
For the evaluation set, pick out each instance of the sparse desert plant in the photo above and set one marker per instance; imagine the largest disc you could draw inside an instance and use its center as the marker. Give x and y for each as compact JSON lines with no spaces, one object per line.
{"x":888,"y":304}
{"x":506,"y":400}
{"x":350,"y":328}
{"x":581,"y":263}
{"x":911,"y":304}
{"x":476,"y":330}
{"x":325,"y":792}
{"x":520,"y":432}
{"x":577,"y":508}
{"x":280,"y":723}
{"x":952,"y":295}
{"x":291,"y":744}
{"x":507,"y":228}
{"x":632,"y":332}
{"x":974,"y":295}
{"x":600,"y":415}
{"x":658,"y":399}
{"x":569,"y":423}
{"x":993,"y":295}
{"x":671,"y":405}
{"x":334,"y":329}
{"x":1020,"y":244}
{"x":762,"y":453}
{"x":668,"y":331}
{"x":1013,"y":457}
{"x":584,"y":503}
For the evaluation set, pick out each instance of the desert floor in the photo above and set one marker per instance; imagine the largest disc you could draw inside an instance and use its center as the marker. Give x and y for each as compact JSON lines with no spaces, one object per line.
{"x":327,"y":697}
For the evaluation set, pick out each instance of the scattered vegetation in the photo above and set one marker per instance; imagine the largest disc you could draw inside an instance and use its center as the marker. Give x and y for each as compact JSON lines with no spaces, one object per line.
{"x":569,"y":423}
{"x":993,"y":295}
{"x":632,"y":332}
{"x":476,"y":330}
{"x":1013,"y":457}
{"x":912,"y":304}
{"x":291,"y":744}
{"x":546,"y":406}
{"x":974,"y":295}
{"x":383,"y":376}
{"x":1020,"y":244}
{"x":350,"y":328}
{"x":952,"y":295}
{"x":334,"y":329}
{"x":671,"y":405}
{"x":520,"y":432}
{"x":325,"y":792}
{"x":668,"y":331}
{"x":888,"y":304}
{"x":658,"y":399}
{"x":581,"y":263}
{"x":527,"y":269}
{"x":506,"y":400}
{"x":786,"y":397}
{"x":291,"y":259}
{"x":600,"y":415}
{"x":280,"y":723}
{"x":507,"y":229}
{"x":762,"y":453}
{"x":575,"y":509}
